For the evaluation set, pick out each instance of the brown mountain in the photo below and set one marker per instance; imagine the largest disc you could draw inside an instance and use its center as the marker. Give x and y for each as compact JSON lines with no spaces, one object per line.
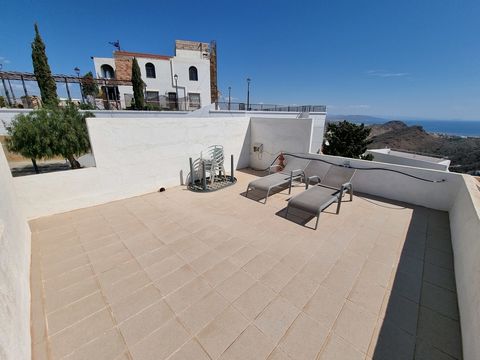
{"x":464,"y":153}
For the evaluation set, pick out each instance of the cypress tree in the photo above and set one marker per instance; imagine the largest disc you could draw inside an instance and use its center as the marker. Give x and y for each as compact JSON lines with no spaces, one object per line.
{"x":46,"y":83}
{"x":137,"y":85}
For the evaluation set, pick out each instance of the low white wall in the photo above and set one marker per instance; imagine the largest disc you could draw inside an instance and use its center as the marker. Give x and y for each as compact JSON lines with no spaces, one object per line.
{"x":399,"y":160}
{"x":7,"y":115}
{"x":465,"y":232}
{"x":278,"y":135}
{"x":395,"y":186}
{"x":133,"y":156}
{"x":15,"y":341}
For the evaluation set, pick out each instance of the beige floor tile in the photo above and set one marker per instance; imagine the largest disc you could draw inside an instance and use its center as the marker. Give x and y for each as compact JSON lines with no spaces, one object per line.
{"x":219,"y":272}
{"x":55,"y":300}
{"x":278,"y":354}
{"x":355,"y":325}
{"x":125,"y":287}
{"x":344,"y":274}
{"x":112,"y":261}
{"x":230,"y":246}
{"x":304,"y":338}
{"x":251,"y":345}
{"x":40,"y":351}
{"x":119,"y":272}
{"x":367,"y":294}
{"x":54,"y":270}
{"x":244,"y":255}
{"x":234,"y":286}
{"x":206,"y":261}
{"x":145,"y":322}
{"x":67,"y":279}
{"x":164,"y":267}
{"x":324,"y":306}
{"x":109,"y":346}
{"x":71,"y":338}
{"x":254,"y":300}
{"x":296,"y":259}
{"x":175,"y":280}
{"x":259,"y":265}
{"x":188,"y":295}
{"x":98,"y":243}
{"x":202,"y":312}
{"x":106,"y":252}
{"x":277,"y":317}
{"x":135,"y":302}
{"x":161,"y":343}
{"x":154,"y":256}
{"x":278,"y":276}
{"x":339,"y":349}
{"x":69,"y":315}
{"x":299,"y":290}
{"x":190,"y":351}
{"x":217,"y":336}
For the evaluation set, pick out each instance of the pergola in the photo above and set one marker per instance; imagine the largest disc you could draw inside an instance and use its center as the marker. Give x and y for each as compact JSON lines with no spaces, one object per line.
{"x":6,"y":76}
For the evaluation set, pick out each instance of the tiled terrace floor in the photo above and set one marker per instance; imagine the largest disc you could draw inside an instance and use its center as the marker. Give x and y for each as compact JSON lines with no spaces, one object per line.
{"x":181,"y":275}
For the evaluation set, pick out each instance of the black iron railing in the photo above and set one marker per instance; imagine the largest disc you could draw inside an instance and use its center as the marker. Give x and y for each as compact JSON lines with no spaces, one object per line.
{"x":269,"y":107}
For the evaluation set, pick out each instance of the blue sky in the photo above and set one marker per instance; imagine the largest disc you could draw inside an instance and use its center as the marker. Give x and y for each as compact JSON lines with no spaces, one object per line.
{"x":406,"y":58}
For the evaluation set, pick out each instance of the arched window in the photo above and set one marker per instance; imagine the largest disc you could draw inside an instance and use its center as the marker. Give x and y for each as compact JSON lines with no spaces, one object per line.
{"x":193,"y":73}
{"x":107,"y":71}
{"x":150,"y":70}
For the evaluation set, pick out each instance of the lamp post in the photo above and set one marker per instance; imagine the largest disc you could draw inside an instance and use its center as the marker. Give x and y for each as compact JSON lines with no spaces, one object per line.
{"x":176,"y":90}
{"x":229,"y":98}
{"x":77,"y":71}
{"x":248,"y":93}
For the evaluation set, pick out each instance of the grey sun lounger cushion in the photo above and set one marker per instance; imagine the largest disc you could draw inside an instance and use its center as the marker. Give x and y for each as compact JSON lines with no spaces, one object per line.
{"x":294,"y":170}
{"x":329,"y":190}
{"x":267,"y":183}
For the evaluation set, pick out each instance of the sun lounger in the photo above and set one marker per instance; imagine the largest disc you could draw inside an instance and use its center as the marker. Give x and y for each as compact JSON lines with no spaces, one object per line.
{"x":294,"y":170}
{"x":329,"y":190}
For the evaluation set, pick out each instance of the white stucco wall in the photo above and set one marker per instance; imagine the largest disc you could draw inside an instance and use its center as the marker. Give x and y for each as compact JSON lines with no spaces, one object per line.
{"x":395,"y":186}
{"x":15,"y":341}
{"x":465,"y":232}
{"x":385,"y":157}
{"x":133,"y":156}
{"x":278,"y":135}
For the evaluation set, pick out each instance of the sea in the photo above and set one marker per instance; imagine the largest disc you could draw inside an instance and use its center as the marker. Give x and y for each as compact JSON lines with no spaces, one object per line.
{"x":449,"y":127}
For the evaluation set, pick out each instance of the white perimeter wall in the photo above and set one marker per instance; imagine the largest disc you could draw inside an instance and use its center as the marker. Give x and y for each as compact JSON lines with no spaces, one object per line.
{"x":393,"y":159}
{"x":395,"y":186}
{"x":15,"y":343}
{"x":465,"y":231}
{"x":133,"y":156}
{"x":278,"y":135}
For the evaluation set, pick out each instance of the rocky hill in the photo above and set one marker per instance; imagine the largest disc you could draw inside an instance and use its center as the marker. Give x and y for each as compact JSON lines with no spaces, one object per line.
{"x":464,"y":153}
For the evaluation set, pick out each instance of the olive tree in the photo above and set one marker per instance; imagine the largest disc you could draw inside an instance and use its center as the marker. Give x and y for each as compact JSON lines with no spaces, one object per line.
{"x":49,"y":132}
{"x":28,"y":136}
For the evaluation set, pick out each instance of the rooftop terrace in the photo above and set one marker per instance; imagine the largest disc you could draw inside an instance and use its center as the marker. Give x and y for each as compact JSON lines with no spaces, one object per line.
{"x":183,"y":275}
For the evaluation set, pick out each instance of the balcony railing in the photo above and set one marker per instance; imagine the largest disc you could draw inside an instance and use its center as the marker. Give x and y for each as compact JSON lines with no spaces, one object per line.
{"x":269,"y":107}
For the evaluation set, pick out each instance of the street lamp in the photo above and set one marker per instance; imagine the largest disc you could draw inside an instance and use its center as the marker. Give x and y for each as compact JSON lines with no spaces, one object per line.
{"x":176,"y":90}
{"x":77,"y":71}
{"x":248,"y":93}
{"x":229,"y":98}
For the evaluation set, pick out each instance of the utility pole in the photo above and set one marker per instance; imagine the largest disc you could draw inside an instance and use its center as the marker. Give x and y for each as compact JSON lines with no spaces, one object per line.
{"x":248,"y":93}
{"x":229,"y":97}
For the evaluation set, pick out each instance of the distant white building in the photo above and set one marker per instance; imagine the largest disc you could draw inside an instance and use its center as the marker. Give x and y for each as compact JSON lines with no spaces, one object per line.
{"x":187,"y":73}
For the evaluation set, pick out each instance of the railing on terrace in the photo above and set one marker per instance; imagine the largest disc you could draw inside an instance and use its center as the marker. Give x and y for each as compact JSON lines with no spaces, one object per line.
{"x":269,"y":107}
